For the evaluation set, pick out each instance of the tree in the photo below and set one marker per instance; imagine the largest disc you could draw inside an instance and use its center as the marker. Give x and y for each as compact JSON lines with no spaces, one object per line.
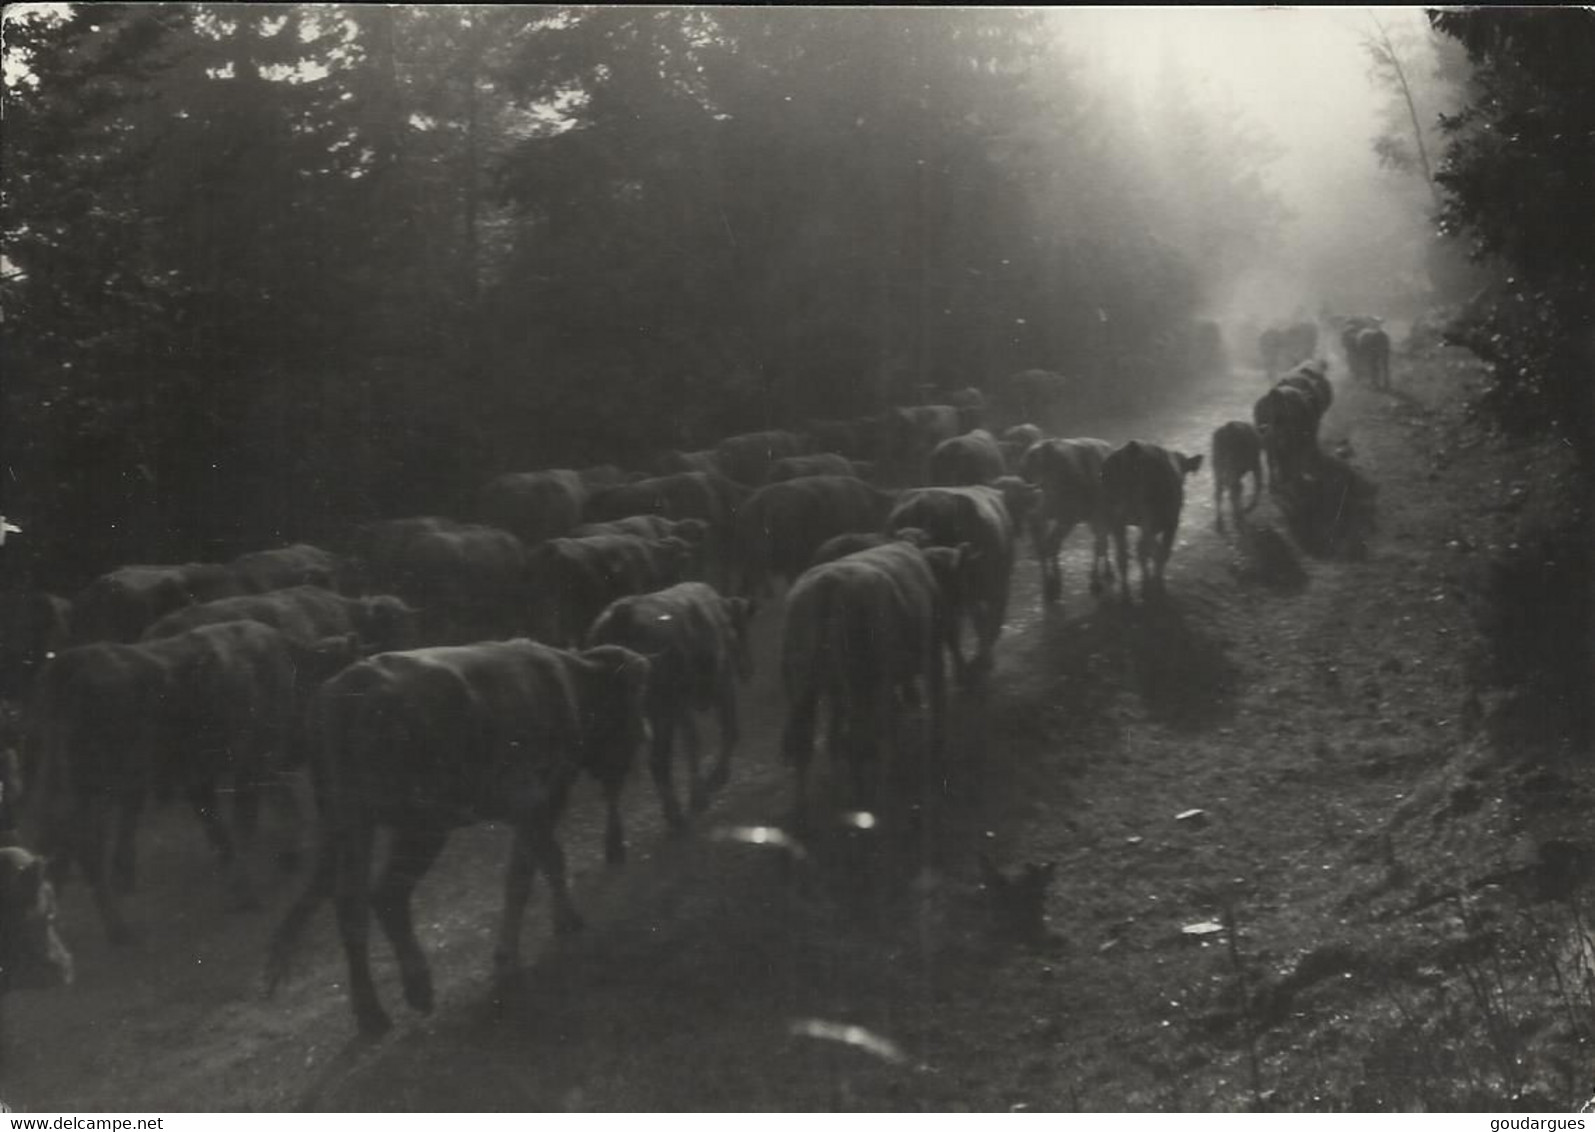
{"x":1518,"y":175}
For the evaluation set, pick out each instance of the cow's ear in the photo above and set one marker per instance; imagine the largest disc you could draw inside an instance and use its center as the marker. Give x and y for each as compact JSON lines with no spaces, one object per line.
{"x":1191,"y":463}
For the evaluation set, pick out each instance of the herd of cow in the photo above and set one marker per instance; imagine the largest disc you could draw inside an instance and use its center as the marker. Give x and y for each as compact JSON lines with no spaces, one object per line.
{"x":438,"y":673}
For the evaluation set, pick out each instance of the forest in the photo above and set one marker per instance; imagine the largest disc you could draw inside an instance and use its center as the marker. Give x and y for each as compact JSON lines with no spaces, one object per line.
{"x":1303,"y":827}
{"x":268,"y":268}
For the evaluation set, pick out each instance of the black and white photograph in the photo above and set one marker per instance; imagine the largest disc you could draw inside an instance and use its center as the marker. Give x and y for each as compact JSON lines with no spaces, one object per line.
{"x":786,"y":559}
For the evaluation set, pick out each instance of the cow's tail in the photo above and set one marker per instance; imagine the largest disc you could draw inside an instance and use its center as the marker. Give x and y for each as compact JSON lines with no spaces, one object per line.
{"x":349,"y":712}
{"x":809,"y":661}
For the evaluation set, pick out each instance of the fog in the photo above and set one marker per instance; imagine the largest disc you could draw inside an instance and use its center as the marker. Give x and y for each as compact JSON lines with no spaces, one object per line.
{"x":1356,"y":238}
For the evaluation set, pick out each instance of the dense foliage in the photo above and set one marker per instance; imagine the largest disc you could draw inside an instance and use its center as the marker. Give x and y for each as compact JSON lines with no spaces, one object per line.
{"x":1518,"y":176}
{"x":271,"y":269}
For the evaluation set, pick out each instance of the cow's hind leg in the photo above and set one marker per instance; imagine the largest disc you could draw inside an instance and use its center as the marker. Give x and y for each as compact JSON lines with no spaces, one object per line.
{"x":544,"y":850}
{"x":354,"y":925}
{"x":797,"y":740}
{"x":92,"y":841}
{"x":1121,"y":549}
{"x":319,"y":887}
{"x":1101,"y":571}
{"x":1048,"y":539}
{"x":660,"y":765}
{"x":413,"y":852}
{"x":730,"y":735}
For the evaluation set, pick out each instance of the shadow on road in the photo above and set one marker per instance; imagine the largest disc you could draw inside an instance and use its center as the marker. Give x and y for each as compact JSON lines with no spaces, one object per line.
{"x":1332,"y":514}
{"x":1180,"y":670}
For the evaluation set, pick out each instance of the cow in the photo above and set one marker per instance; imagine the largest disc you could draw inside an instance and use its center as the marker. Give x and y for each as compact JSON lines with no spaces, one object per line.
{"x":1037,"y":395}
{"x":697,"y":644}
{"x":647,"y":526}
{"x":378,"y":560}
{"x":305,"y":615}
{"x":34,"y":625}
{"x":1237,"y":452}
{"x":1287,"y":424}
{"x":573,"y":579}
{"x":987,"y":518}
{"x":1069,"y":474}
{"x":971,"y":406}
{"x":814,"y":464}
{"x":1312,"y":378}
{"x":1143,"y":486}
{"x":469,"y":581}
{"x":298,"y":565}
{"x":858,"y":439}
{"x":857,"y":630}
{"x":746,"y":459}
{"x":120,"y":605}
{"x":425,"y":742}
{"x":710,"y":497}
{"x":116,"y":722}
{"x":32,"y":955}
{"x":973,"y":458}
{"x":912,"y":433}
{"x":703,"y":460}
{"x":1363,"y":353}
{"x":843,"y":545}
{"x":534,"y":506}
{"x":1372,"y":350}
{"x":782,"y":524}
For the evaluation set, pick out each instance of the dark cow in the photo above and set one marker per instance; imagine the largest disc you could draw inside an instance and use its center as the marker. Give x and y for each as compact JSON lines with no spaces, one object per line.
{"x":1144,"y":486}
{"x":32,"y":956}
{"x":857,"y":630}
{"x":184,"y":714}
{"x":1014,"y":443}
{"x":697,"y":644}
{"x":426,"y":742}
{"x":1237,"y":453}
{"x":120,"y":605}
{"x":987,"y":519}
{"x":573,"y":579}
{"x":971,"y":406}
{"x":1312,"y":378}
{"x":378,"y":559}
{"x":34,"y":626}
{"x":814,"y":464}
{"x":649,"y":527}
{"x":298,"y":565}
{"x":470,"y":583}
{"x":1287,"y":424}
{"x":703,"y":460}
{"x":857,"y":439}
{"x":782,"y":524}
{"x":1035,"y":395}
{"x":1367,"y":349}
{"x":1372,"y":351}
{"x":843,"y":545}
{"x":747,"y":458}
{"x":534,"y":506}
{"x":684,"y":495}
{"x":305,"y":614}
{"x":913,"y":432}
{"x":1069,"y":474}
{"x":603,"y":475}
{"x":973,"y":458}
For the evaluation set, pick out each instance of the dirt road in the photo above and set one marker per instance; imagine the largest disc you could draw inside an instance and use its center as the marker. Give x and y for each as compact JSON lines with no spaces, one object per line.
{"x":1303,"y":711}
